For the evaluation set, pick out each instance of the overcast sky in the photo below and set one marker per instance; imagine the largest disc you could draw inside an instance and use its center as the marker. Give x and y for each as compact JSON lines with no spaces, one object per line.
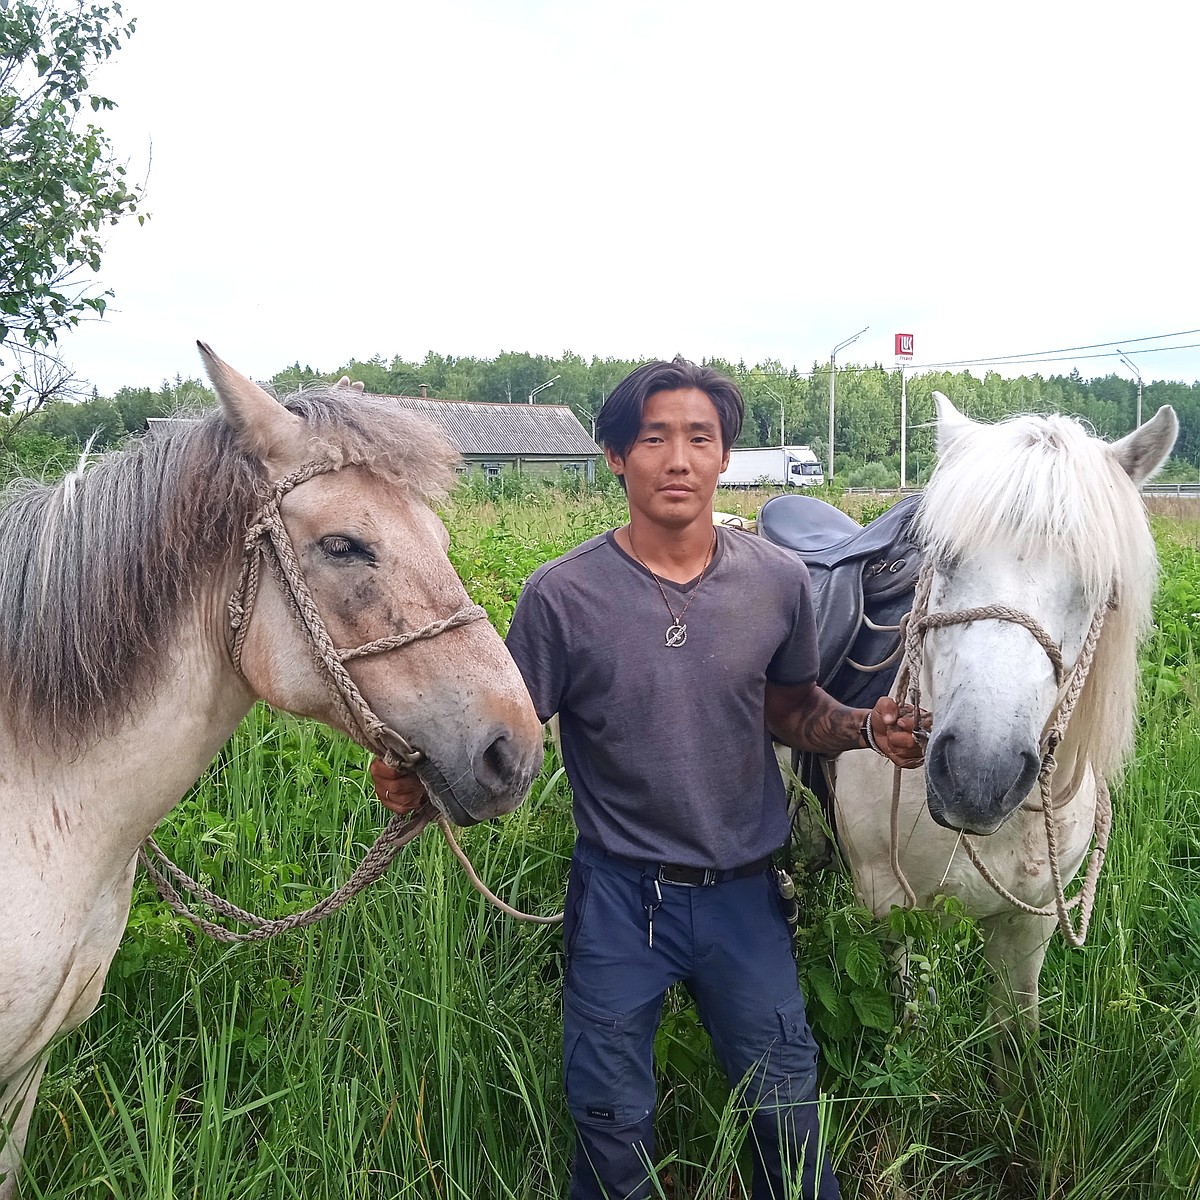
{"x":639,"y":178}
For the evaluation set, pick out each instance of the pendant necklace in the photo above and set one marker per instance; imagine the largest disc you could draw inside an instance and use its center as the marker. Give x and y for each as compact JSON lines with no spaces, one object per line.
{"x":677,"y":630}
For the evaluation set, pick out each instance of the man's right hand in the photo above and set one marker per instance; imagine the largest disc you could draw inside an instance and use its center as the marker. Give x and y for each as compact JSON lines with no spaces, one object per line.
{"x":400,"y":791}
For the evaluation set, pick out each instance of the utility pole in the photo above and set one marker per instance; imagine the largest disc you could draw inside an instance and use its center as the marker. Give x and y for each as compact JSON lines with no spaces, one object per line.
{"x":832,"y":375}
{"x":1138,"y":376}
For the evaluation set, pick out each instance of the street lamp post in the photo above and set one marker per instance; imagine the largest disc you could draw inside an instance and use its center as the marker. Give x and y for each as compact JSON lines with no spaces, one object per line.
{"x":542,"y":386}
{"x":832,"y":373}
{"x":775,"y":395}
{"x":1138,"y":376}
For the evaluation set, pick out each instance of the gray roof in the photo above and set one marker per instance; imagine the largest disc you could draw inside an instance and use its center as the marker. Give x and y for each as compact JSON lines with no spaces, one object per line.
{"x":521,"y":430}
{"x":525,"y":430}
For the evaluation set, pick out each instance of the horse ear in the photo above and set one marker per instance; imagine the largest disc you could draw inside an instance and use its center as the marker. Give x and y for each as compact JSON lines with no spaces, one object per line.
{"x":268,"y":429}
{"x":950,"y":422}
{"x":356,"y":386}
{"x":1143,"y":451}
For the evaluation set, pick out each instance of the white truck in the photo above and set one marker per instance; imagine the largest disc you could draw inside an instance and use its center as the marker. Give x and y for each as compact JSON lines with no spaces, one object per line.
{"x":773,"y":466}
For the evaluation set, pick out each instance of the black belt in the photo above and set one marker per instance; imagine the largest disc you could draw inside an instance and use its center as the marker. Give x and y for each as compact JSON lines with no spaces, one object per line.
{"x":694,"y":876}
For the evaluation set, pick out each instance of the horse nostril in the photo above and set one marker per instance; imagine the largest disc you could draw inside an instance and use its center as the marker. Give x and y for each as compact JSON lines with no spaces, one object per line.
{"x":1032,"y":768}
{"x":937,"y":757}
{"x":497,"y":764}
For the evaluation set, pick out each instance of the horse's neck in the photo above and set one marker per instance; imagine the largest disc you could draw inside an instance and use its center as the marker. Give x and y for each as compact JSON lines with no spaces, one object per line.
{"x":109,"y":794}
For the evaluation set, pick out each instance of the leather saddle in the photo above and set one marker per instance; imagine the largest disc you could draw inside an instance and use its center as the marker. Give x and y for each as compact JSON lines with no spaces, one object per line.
{"x":863,"y":581}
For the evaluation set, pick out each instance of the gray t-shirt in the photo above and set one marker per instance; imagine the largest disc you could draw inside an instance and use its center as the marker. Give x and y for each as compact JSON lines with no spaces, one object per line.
{"x":666,"y":748}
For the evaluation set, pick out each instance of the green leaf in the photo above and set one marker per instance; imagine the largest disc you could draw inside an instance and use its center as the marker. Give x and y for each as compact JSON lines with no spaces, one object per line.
{"x":823,"y":984}
{"x":873,"y":1007}
{"x":838,"y":1025}
{"x":864,"y":961}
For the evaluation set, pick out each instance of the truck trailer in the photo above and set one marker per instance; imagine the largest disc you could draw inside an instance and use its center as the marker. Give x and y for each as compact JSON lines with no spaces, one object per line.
{"x":773,"y":466}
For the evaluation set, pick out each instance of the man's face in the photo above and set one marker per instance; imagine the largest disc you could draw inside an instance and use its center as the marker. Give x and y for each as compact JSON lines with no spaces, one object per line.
{"x":671,"y":469}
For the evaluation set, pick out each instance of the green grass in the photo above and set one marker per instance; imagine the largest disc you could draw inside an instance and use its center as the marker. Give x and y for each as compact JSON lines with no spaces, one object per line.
{"x":409,"y":1046}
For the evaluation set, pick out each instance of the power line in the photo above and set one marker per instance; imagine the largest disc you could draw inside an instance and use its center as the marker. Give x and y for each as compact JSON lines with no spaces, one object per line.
{"x":1027,"y":358}
{"x":1042,"y":355}
{"x":1015,"y":360}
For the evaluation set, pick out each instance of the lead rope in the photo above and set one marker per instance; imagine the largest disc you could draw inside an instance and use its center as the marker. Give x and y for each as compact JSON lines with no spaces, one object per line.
{"x":398,"y":832}
{"x":919,"y":623}
{"x":267,"y":537}
{"x":396,"y":835}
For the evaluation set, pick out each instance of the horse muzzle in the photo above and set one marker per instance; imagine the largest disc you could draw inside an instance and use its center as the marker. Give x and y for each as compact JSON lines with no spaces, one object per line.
{"x":972,"y":788}
{"x":500,"y":775}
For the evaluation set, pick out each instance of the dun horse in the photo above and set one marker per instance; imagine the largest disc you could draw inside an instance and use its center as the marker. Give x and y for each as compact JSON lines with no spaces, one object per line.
{"x":1040,"y":569}
{"x":121,"y":677}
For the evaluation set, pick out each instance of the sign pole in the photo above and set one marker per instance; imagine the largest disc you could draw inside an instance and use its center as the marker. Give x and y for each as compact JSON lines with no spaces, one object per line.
{"x":904,"y":353}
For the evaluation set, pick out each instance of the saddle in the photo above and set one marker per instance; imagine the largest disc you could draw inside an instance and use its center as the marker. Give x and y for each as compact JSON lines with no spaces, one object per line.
{"x":863,"y":581}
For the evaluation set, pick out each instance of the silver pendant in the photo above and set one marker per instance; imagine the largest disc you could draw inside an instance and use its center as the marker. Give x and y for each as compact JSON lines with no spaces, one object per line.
{"x":676,"y":634}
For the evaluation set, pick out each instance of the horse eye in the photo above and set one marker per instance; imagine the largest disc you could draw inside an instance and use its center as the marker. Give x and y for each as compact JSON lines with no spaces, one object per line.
{"x":339,"y":546}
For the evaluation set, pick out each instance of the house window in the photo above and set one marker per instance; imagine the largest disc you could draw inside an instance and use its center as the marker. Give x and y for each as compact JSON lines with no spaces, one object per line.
{"x":574,"y":468}
{"x":491,"y":470}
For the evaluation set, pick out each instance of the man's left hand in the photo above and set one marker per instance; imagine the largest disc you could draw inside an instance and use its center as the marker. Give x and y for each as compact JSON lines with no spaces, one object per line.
{"x":400,"y":791}
{"x":900,"y":733}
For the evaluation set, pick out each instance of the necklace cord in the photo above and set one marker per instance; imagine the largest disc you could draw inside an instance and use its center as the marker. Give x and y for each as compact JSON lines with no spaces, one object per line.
{"x":677,"y":630}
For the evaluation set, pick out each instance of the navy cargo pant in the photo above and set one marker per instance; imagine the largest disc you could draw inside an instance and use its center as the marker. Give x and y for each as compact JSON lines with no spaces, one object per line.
{"x":729,"y":945}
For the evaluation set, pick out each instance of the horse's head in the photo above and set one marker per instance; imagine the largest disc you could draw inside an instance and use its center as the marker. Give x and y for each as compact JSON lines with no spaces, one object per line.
{"x":1038,"y":527}
{"x":371,"y":557}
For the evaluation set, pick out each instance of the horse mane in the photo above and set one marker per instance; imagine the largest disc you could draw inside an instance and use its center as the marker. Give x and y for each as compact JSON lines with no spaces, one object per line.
{"x":1033,"y":483}
{"x":97,"y":570}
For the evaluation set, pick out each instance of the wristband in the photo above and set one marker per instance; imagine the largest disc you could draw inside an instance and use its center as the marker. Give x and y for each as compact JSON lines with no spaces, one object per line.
{"x":868,"y":736}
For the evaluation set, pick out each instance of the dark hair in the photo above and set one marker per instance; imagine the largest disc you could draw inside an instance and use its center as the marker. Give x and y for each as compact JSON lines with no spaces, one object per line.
{"x":620,"y":418}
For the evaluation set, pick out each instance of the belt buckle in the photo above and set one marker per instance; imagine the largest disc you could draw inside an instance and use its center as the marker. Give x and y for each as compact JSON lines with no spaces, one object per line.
{"x":707,"y":879}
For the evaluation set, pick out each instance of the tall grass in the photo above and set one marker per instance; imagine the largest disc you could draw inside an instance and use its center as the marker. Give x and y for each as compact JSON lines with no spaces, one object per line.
{"x":410,"y":1045}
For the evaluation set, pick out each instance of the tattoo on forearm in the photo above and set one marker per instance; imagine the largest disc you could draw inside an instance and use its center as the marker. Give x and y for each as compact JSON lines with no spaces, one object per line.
{"x":825,"y":727}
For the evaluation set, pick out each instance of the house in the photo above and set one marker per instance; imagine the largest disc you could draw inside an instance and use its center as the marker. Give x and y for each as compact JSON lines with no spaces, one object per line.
{"x":538,"y":440}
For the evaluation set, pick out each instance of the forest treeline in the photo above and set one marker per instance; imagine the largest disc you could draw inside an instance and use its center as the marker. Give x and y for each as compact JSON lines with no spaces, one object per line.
{"x":867,"y":409}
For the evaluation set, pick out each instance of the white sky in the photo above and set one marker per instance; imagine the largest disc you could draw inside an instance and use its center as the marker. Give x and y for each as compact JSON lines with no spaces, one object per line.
{"x":637,"y":178}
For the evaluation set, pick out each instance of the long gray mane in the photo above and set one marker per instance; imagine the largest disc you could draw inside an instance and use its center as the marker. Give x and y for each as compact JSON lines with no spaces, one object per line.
{"x":1033,"y":483}
{"x":97,"y":571}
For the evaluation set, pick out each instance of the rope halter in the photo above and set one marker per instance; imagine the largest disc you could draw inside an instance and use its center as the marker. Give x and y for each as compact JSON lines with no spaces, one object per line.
{"x":1070,"y":686}
{"x":267,"y":539}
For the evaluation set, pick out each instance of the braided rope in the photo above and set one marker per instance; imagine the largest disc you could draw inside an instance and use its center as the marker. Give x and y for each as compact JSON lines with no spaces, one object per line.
{"x":397,"y":641}
{"x":482,"y":887}
{"x":920,"y":622}
{"x":168,"y":878}
{"x":267,"y":538}
{"x":398,"y":832}
{"x":1085,"y":898}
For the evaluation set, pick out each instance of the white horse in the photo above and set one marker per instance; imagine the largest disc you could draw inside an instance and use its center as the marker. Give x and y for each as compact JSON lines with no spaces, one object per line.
{"x":120,"y":677}
{"x":1039,"y":557}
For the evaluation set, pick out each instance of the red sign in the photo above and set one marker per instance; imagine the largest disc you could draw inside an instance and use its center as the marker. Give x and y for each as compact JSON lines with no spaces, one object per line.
{"x":904,"y":345}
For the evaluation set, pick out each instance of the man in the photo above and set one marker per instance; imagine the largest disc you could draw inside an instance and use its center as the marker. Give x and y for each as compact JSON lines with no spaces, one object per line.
{"x":672,"y":652}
